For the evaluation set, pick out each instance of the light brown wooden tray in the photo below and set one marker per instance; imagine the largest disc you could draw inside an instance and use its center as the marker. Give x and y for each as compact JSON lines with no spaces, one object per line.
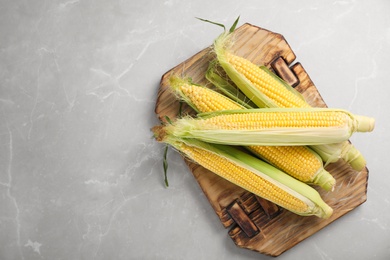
{"x":254,"y":223}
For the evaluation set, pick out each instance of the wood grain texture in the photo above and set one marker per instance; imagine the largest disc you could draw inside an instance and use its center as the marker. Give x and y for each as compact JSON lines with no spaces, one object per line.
{"x":279,"y":229}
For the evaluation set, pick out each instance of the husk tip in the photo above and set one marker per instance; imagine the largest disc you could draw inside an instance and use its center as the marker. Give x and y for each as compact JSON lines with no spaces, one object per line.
{"x":327,"y":212}
{"x":355,"y":159}
{"x":365,"y":124}
{"x":325,"y":180}
{"x":176,"y":81}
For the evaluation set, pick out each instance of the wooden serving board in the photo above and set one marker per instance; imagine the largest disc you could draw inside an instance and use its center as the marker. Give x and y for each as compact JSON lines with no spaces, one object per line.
{"x":255,"y":223}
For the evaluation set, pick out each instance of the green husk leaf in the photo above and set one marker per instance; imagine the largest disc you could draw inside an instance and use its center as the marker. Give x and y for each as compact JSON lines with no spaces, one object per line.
{"x":232,"y":28}
{"x":324,"y":179}
{"x":234,"y":25}
{"x":331,"y":153}
{"x":168,"y":119}
{"x":180,"y":112}
{"x":208,"y":21}
{"x":165,"y":165}
{"x":225,"y":87}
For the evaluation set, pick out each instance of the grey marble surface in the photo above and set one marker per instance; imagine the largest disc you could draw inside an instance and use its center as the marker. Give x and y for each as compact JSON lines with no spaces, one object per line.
{"x":80,"y":175}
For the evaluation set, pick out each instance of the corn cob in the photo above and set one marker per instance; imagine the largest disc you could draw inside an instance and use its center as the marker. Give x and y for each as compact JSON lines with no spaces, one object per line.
{"x":201,"y":99}
{"x":273,"y":126}
{"x":267,"y":90}
{"x":257,"y":85}
{"x":265,"y":83}
{"x":251,"y":174}
{"x":298,"y":161}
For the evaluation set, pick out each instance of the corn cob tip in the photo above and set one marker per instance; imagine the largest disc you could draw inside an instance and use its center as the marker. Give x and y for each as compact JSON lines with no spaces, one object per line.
{"x":358,"y":163}
{"x":327,"y":211}
{"x":365,"y":124}
{"x":353,"y":156}
{"x":325,"y":180}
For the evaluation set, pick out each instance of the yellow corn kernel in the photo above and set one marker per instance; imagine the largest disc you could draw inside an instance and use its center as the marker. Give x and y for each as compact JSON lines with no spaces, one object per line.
{"x":290,"y":119}
{"x":298,"y":161}
{"x":271,"y":88}
{"x":207,"y":100}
